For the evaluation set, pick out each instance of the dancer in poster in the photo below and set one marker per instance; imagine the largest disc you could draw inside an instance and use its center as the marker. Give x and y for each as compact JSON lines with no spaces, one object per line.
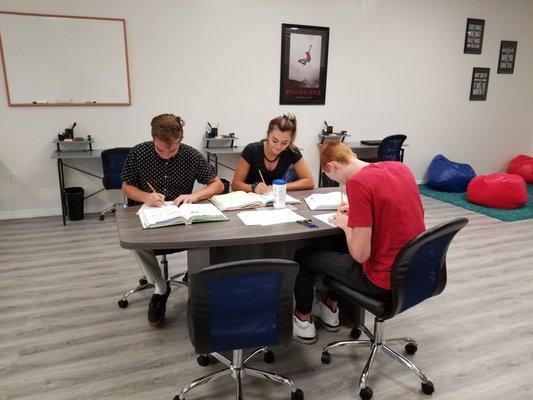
{"x":307,"y":56}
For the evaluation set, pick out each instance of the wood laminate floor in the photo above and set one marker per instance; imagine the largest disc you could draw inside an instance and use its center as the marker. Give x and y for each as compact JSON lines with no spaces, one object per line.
{"x":62,"y":335}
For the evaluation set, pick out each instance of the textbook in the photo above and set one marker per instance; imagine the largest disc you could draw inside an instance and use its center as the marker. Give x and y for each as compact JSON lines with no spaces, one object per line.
{"x":241,"y":200}
{"x":325,"y":201}
{"x":169,"y":214}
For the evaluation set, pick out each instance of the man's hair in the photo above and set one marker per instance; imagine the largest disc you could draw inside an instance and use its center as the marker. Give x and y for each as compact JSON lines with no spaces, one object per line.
{"x":285,"y":123}
{"x":335,"y":151}
{"x":167,"y":127}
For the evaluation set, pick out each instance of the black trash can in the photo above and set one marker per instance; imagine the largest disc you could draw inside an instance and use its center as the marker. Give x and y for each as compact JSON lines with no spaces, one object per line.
{"x":74,"y":201}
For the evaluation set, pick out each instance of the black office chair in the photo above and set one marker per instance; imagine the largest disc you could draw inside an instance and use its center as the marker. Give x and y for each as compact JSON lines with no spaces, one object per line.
{"x":112,"y":162}
{"x":180,"y":279}
{"x":418,"y":273}
{"x":241,"y":305}
{"x":390,"y":148}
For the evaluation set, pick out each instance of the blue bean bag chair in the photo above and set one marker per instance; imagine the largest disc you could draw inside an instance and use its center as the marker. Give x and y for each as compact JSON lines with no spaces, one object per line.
{"x":449,"y":176}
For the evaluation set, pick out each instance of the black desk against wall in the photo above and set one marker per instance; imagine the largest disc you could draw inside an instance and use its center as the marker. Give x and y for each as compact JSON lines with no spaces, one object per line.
{"x":63,"y":160}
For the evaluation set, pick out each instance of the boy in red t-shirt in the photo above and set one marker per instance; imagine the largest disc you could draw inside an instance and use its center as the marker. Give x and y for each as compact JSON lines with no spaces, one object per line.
{"x":383,"y":213}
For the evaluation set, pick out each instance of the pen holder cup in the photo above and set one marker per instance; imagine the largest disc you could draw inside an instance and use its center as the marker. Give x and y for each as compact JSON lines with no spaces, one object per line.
{"x":69,"y":133}
{"x":329,"y":129}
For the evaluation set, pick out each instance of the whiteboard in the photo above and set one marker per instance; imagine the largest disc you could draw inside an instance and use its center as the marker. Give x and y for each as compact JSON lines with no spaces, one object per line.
{"x":59,"y":60}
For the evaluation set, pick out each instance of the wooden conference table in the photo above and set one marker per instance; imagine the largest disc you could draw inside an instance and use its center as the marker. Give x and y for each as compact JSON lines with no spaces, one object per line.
{"x":216,"y":242}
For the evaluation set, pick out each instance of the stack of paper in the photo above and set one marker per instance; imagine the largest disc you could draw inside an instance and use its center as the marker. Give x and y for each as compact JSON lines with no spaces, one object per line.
{"x":269,"y":217}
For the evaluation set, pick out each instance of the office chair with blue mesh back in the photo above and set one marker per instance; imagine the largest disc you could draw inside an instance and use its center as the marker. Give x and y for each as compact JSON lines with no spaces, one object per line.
{"x":390,"y":148}
{"x":112,"y":163}
{"x":241,"y":305}
{"x":418,"y":273}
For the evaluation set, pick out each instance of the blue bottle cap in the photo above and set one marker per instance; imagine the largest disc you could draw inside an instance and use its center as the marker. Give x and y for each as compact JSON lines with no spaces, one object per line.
{"x":279,"y":182}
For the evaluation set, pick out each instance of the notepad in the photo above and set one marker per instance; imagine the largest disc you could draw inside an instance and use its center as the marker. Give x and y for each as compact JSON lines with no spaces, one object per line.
{"x":325,"y":201}
{"x":325,"y":218}
{"x":269,"y":217}
{"x":169,"y":214}
{"x":241,"y":200}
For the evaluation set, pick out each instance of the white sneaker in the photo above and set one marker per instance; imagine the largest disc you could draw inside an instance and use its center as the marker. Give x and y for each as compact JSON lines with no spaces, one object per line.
{"x":328,"y":318}
{"x":303,"y":331}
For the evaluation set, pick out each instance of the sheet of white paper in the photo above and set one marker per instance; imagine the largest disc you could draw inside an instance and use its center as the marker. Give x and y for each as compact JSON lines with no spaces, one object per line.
{"x":325,"y":218}
{"x":269,"y":217}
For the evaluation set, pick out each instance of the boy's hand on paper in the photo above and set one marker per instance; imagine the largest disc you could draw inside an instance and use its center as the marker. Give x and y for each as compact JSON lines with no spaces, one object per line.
{"x":339,"y":220}
{"x":154,"y":199}
{"x":261,"y":188}
{"x":343,"y":209}
{"x":185,"y":198}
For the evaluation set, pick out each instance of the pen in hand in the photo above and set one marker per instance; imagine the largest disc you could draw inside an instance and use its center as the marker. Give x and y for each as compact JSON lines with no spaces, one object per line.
{"x":161,"y":197}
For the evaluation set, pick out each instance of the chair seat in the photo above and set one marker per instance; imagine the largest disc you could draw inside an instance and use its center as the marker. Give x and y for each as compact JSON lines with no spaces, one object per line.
{"x":379,"y":307}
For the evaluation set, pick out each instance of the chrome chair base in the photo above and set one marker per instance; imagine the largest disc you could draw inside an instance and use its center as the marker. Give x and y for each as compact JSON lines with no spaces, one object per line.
{"x":237,"y":368}
{"x":111,"y":209}
{"x":175,"y":280}
{"x":376,"y":342}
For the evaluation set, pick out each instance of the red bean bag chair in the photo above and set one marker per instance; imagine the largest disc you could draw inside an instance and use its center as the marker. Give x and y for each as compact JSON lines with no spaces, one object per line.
{"x":522,"y":165}
{"x":507,"y":191}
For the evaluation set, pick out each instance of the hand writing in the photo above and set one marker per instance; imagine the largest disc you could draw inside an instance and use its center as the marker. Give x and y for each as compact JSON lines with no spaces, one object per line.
{"x":154,"y":199}
{"x":261,"y":188}
{"x":340,"y":220}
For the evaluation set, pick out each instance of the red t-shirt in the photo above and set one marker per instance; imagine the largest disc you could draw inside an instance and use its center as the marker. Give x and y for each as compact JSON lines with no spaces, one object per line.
{"x":385,"y":196}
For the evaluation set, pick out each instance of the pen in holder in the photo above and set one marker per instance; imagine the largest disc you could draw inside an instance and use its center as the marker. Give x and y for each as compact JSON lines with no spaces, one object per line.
{"x":69,"y":133}
{"x":328,"y":130}
{"x":212,"y":132}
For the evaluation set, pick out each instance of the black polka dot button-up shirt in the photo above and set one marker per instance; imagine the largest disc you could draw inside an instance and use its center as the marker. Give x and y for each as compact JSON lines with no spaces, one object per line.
{"x":171,"y":177}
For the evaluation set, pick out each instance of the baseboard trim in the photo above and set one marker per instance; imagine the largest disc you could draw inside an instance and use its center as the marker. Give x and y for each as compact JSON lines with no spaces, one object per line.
{"x":44,"y":212}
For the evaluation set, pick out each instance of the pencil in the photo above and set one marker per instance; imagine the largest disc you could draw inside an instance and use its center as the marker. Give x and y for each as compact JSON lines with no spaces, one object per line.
{"x":154,"y":191}
{"x":151,"y":187}
{"x":261,"y":175}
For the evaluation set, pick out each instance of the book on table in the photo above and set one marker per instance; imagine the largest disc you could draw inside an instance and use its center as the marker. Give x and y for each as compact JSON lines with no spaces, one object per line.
{"x":325,"y":201}
{"x":240,"y":200}
{"x":169,"y":214}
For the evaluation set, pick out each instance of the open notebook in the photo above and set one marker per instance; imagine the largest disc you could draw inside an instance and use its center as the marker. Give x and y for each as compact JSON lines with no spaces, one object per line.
{"x":169,"y":214}
{"x":325,"y":201}
{"x":241,"y":200}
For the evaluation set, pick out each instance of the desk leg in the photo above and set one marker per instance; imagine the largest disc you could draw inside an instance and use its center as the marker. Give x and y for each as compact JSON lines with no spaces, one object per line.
{"x":61,"y":177}
{"x":213,"y":160}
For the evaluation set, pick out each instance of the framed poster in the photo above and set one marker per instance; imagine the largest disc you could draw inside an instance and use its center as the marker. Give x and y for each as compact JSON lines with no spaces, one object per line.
{"x":480,"y":83}
{"x":474,"y":35}
{"x":507,"y":57}
{"x":304,"y":64}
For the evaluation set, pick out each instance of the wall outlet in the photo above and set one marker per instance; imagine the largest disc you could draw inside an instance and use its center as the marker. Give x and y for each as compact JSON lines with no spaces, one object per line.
{"x":13,"y":177}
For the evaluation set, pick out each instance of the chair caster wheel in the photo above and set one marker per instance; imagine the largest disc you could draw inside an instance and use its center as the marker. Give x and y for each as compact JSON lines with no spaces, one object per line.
{"x":203,"y":360}
{"x":122,"y":303}
{"x":366,"y":393}
{"x":428,"y":387}
{"x":411,"y":348}
{"x":298,"y":395}
{"x":269,"y":357}
{"x":143,"y":281}
{"x":355,"y":333}
{"x":325,"y":357}
{"x":102,"y":217}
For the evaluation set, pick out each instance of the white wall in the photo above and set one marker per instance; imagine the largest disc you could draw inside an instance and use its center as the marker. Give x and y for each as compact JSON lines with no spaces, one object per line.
{"x":394,"y":67}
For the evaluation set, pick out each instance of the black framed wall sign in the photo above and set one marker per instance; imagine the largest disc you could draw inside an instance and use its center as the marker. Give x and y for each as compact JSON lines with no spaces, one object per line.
{"x":304,"y":64}
{"x":474,"y":35}
{"x":507,"y":57}
{"x":480,"y":83}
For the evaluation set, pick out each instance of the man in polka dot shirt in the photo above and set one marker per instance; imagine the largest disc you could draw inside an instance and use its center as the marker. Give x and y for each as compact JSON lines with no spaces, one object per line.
{"x":171,"y":168}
